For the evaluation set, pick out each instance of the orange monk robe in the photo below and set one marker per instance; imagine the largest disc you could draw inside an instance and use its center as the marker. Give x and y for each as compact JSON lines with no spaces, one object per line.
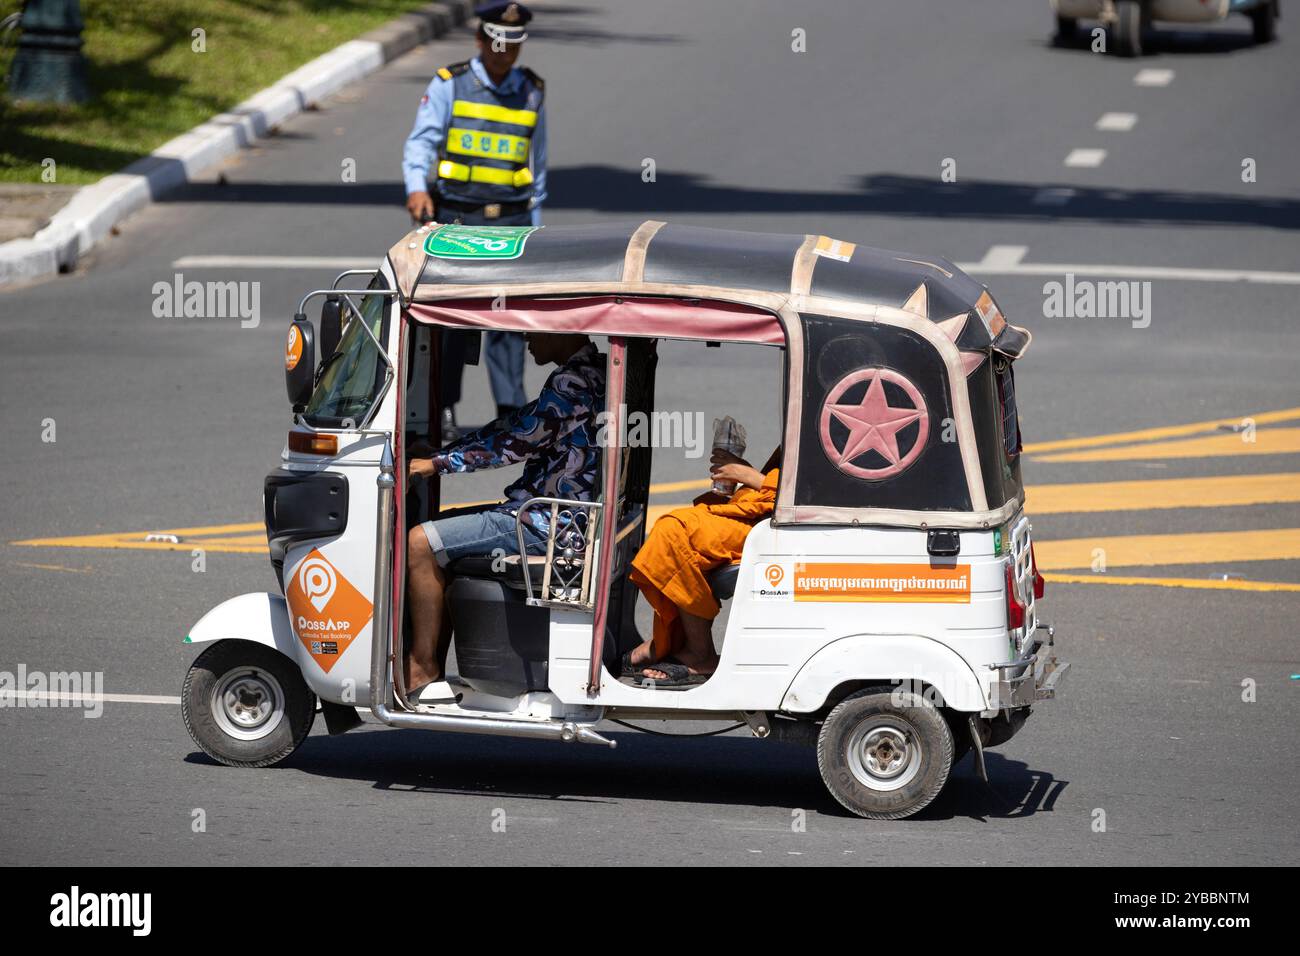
{"x":683,"y":546}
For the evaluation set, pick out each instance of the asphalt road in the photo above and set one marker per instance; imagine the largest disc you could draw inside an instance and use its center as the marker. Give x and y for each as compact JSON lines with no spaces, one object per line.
{"x":172,"y":423}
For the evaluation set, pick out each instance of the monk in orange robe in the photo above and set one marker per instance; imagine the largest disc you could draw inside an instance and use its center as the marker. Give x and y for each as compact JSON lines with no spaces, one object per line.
{"x":671,"y":568}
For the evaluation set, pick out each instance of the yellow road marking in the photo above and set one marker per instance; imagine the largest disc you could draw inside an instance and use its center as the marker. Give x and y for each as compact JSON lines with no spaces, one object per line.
{"x":191,"y":538}
{"x":1166,"y":431}
{"x":1151,"y":550}
{"x":1217,"y":492}
{"x":691,"y":485}
{"x":1207,"y":584}
{"x":1275,"y":441}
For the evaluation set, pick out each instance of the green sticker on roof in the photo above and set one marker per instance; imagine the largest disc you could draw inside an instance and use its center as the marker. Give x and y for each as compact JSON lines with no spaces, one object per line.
{"x":478,"y":242}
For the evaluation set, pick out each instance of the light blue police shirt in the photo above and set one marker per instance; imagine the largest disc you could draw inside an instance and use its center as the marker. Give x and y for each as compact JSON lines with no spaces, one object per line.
{"x":433,"y":118}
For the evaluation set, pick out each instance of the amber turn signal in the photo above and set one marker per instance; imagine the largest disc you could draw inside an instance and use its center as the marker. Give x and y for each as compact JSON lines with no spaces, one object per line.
{"x":310,"y":443}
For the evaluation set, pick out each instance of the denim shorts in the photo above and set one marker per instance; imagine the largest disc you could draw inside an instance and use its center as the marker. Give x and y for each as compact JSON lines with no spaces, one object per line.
{"x":478,"y":531}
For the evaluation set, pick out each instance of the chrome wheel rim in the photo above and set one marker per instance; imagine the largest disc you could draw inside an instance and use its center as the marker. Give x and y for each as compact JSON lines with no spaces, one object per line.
{"x":248,"y":703}
{"x":884,"y":753}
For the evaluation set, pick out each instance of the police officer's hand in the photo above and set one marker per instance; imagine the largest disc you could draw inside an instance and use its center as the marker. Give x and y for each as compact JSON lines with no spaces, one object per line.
{"x":420,"y":206}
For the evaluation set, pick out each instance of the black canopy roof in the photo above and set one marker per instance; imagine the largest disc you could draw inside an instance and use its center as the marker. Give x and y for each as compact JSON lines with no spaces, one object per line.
{"x":724,"y":258}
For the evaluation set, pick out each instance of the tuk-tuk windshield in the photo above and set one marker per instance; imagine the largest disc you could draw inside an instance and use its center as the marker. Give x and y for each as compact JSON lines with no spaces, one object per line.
{"x":351,"y":378}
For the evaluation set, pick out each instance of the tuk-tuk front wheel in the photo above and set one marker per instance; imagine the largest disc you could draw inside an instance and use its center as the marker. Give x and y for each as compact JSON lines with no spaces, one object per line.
{"x":885,"y":754}
{"x":246,"y":705}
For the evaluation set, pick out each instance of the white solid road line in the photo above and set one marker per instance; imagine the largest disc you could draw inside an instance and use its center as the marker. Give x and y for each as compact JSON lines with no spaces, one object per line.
{"x":276,"y":262}
{"x":43,"y":695}
{"x":1151,"y":77}
{"x":1085,"y":158}
{"x":999,"y":260}
{"x":1008,"y":261}
{"x":1117,"y":122}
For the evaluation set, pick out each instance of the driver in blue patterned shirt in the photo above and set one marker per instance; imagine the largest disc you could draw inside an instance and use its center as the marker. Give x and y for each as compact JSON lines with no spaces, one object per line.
{"x":555,"y":436}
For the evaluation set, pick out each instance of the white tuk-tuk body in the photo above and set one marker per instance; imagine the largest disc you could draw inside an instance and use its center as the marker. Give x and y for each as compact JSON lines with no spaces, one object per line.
{"x":845,"y":590}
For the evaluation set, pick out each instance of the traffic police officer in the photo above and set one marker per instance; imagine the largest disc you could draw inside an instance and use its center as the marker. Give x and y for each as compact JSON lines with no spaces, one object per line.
{"x":481,"y":126}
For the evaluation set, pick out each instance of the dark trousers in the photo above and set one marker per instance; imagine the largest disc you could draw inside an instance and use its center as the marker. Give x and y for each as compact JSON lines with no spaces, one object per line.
{"x":502,"y":351}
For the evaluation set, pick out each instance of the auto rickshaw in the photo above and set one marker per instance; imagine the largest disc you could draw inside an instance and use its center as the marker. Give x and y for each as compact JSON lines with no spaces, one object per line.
{"x":887,"y":613}
{"x":1129,"y":18}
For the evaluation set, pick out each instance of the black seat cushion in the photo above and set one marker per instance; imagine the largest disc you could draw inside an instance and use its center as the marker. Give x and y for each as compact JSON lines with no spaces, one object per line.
{"x":722,"y":581}
{"x":508,"y":570}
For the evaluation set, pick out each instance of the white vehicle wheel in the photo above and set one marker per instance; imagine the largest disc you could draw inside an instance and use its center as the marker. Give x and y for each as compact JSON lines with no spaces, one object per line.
{"x":884,"y":754}
{"x":246,"y":705}
{"x":1128,"y":27}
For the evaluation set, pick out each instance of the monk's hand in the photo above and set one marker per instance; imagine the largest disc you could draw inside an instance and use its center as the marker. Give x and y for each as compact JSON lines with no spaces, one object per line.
{"x":723,"y":457}
{"x":419,"y":468}
{"x":420,"y":206}
{"x":741,"y":474}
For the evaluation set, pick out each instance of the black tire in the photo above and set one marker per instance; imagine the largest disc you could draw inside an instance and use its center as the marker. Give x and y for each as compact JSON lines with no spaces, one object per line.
{"x":872,"y":724}
{"x":253,"y":678}
{"x":1263,"y":23}
{"x":1129,"y":21}
{"x":1067,"y":28}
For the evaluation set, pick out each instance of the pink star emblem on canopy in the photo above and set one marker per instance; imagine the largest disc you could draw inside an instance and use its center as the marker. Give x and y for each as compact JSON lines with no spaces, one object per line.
{"x":873,"y":424}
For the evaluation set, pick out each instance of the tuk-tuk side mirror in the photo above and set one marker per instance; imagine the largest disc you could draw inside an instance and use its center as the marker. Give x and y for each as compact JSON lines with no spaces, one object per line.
{"x":300,"y":362}
{"x":331,"y":326}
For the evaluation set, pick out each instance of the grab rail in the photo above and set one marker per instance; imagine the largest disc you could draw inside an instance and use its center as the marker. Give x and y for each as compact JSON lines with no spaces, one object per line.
{"x":572,"y":546}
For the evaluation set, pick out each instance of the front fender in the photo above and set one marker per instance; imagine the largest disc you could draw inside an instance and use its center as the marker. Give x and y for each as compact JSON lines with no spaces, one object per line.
{"x":259,"y":617}
{"x":885,"y":659}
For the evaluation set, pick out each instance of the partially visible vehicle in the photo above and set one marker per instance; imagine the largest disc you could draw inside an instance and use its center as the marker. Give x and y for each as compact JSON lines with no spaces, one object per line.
{"x":1127,"y":19}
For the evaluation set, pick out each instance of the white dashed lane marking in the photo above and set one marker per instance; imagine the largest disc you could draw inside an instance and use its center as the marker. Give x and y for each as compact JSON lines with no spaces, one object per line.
{"x":1117,"y":122}
{"x":1152,"y":77}
{"x":1085,"y":158}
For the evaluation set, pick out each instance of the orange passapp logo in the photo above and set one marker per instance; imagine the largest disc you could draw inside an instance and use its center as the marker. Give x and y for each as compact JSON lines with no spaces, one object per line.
{"x":292,"y":349}
{"x":327,"y":611}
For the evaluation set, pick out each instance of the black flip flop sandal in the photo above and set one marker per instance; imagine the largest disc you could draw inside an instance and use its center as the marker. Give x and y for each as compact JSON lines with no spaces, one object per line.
{"x":679,"y":675}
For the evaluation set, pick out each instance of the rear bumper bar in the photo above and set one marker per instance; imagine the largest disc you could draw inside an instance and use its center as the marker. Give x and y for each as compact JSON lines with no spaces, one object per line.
{"x":1031,"y":678}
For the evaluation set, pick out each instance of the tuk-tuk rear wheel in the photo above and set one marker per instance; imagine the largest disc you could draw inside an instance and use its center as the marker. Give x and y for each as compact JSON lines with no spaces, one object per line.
{"x":246,"y":705}
{"x":885,"y":754}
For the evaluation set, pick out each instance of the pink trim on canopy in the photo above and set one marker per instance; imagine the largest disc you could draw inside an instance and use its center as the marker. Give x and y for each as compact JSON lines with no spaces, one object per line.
{"x":671,"y":318}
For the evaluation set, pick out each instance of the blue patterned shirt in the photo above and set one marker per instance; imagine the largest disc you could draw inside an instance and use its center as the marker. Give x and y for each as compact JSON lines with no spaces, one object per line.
{"x":555,"y":435}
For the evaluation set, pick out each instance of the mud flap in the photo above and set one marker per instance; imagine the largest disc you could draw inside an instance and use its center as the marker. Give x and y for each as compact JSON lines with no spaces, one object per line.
{"x":976,"y":744}
{"x":339,"y":718}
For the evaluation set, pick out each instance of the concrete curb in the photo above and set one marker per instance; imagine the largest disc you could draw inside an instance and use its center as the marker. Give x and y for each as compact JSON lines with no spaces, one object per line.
{"x":94,"y":210}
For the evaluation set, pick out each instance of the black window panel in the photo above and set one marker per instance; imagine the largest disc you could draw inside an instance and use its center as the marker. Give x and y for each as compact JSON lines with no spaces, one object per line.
{"x":999,"y":480}
{"x":1007,"y":403}
{"x":936,"y":479}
